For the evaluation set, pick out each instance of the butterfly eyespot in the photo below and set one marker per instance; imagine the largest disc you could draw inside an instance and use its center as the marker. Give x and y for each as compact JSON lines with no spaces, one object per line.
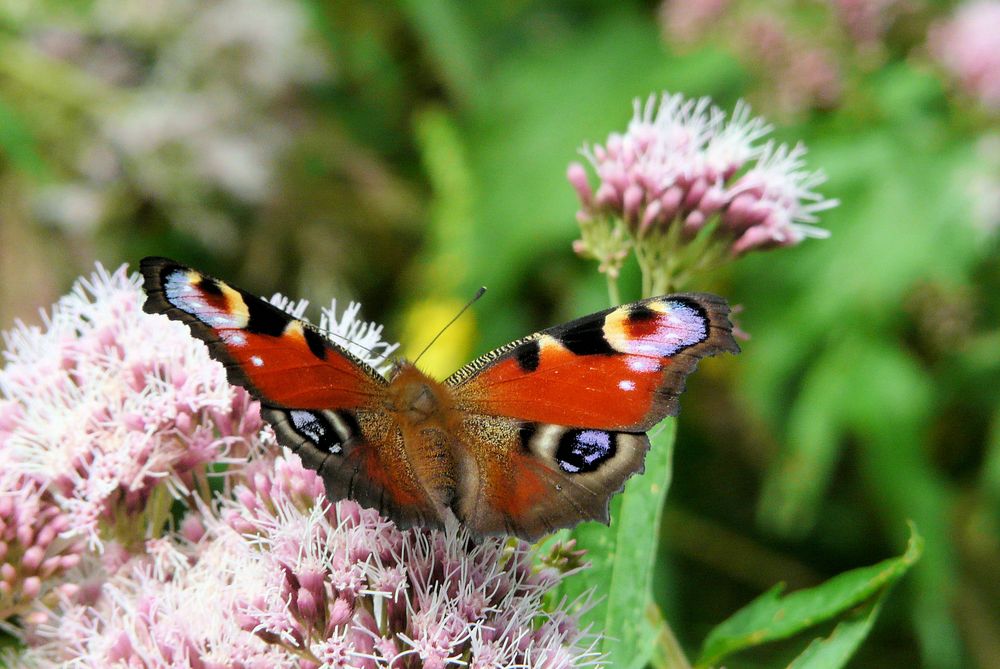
{"x":316,"y":428}
{"x":582,"y":451}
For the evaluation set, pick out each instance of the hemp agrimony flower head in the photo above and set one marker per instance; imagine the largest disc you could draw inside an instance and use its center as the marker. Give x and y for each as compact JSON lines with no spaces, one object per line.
{"x":278,"y":577}
{"x":686,"y":189}
{"x":115,"y":413}
{"x":113,"y":551}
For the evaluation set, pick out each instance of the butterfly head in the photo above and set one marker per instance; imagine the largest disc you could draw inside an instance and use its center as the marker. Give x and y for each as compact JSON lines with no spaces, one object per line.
{"x":413,"y":395}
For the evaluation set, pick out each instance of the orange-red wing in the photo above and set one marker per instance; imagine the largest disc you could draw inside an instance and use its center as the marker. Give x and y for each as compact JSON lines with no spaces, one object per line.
{"x":360,"y":456}
{"x":281,"y":360}
{"x":621,"y":369}
{"x":533,"y":478}
{"x":322,"y":402}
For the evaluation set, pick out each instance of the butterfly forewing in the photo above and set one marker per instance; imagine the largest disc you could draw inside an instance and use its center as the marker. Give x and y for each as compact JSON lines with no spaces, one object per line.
{"x":620,"y":369}
{"x":566,"y":410}
{"x":321,"y":401}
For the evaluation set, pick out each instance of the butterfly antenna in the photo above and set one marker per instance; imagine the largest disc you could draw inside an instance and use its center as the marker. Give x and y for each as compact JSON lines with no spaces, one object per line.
{"x":479,"y":293}
{"x":347,"y":341}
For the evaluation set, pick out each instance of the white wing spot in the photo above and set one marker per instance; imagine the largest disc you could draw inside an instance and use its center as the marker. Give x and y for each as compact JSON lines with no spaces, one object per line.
{"x":639,"y":363}
{"x":626,"y":384}
{"x":233,"y":337}
{"x":257,"y":361}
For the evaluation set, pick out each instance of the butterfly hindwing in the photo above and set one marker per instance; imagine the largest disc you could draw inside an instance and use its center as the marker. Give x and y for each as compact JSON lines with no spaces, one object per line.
{"x":533,"y":478}
{"x":357,"y":461}
{"x":321,"y":401}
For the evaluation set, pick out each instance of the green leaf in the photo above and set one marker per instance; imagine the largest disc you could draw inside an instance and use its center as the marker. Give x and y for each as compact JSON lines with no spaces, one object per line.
{"x":622,"y":557}
{"x":771,"y":617}
{"x":835,"y":650}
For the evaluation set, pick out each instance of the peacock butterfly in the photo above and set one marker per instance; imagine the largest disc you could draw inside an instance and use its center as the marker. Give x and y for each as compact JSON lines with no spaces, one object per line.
{"x":533,"y":436}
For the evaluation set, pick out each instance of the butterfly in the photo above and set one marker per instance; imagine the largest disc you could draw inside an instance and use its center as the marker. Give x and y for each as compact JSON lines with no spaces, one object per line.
{"x":536,"y":435}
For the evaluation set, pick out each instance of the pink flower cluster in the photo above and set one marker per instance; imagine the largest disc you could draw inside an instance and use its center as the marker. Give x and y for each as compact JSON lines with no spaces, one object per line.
{"x":346,"y":586}
{"x":113,"y":551}
{"x":795,"y":72}
{"x":109,"y":408}
{"x":968,"y":47}
{"x":867,"y":21}
{"x":277,"y":577}
{"x":34,"y":553}
{"x":682,"y":171}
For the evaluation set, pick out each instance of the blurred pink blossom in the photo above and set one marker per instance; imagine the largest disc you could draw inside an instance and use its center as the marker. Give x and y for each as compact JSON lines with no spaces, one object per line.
{"x":866,"y":21}
{"x":968,"y":46}
{"x":34,"y":551}
{"x":796,"y":73}
{"x":687,"y":21}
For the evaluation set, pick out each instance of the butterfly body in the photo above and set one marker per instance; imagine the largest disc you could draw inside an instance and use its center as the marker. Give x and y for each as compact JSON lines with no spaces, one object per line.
{"x":531,"y":437}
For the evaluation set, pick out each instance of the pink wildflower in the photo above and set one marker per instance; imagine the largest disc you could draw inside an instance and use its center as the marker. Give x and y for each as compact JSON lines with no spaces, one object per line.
{"x":684,"y":183}
{"x":34,"y":554}
{"x":687,"y":21}
{"x":268,"y":574}
{"x":795,"y":73}
{"x":432,"y":594}
{"x":867,"y":21}
{"x":116,"y":412}
{"x":968,"y":47}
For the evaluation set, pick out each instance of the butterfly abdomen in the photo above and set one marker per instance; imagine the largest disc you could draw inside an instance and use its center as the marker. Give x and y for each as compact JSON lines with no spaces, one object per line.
{"x":423,"y":411}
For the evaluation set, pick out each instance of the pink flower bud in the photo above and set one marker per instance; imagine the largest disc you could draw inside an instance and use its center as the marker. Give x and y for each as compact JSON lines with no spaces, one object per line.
{"x":650,"y":216}
{"x":632,"y":201}
{"x":247,"y":499}
{"x":69,"y":561}
{"x":693,"y":222}
{"x":670,"y":202}
{"x":755,"y":238}
{"x":134,"y":422}
{"x":695,"y":192}
{"x":49,"y":566}
{"x":341,"y":612}
{"x":25,"y":533}
{"x":577,"y":176}
{"x":31,"y":587}
{"x":121,"y":649}
{"x":192,"y":528}
{"x":32,"y":558}
{"x":306,"y":603}
{"x":606,"y":196}
{"x":36,"y":618}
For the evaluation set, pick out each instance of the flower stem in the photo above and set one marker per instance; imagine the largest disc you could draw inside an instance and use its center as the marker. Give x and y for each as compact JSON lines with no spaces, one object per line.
{"x":614,"y":296}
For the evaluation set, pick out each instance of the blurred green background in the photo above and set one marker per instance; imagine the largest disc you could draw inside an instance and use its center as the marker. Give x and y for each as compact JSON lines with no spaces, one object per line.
{"x":404,"y":153}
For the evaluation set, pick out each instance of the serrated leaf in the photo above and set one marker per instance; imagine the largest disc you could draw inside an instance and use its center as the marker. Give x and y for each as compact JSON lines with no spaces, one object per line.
{"x":771,"y":617}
